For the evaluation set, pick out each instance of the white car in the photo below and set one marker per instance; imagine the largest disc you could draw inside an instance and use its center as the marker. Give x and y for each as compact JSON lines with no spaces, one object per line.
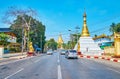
{"x":71,"y":54}
{"x":49,"y":52}
{"x":63,"y":52}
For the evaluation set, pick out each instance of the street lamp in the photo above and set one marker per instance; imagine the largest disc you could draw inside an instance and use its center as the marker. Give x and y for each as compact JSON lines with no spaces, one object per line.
{"x":77,"y":28}
{"x":70,"y":39}
{"x":41,"y":43}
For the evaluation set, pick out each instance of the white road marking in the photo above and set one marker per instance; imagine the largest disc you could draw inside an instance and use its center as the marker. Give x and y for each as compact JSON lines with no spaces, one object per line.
{"x":14,"y":73}
{"x":114,"y":70}
{"x":59,"y":72}
{"x":59,"y":68}
{"x":58,"y":56}
{"x":37,"y":61}
{"x":58,"y":61}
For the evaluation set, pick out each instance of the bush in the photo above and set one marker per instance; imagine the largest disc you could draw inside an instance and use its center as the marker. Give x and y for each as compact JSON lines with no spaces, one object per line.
{"x":12,"y":50}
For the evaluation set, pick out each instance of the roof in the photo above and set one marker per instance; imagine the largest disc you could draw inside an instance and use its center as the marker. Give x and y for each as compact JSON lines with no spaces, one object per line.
{"x":5,"y":30}
{"x":101,"y":36}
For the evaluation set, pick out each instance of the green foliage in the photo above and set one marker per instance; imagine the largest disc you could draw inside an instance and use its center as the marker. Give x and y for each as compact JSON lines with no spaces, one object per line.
{"x":14,"y":49}
{"x":95,"y":35}
{"x":36,"y":31}
{"x":51,"y":44}
{"x":3,"y":39}
{"x":114,"y":27}
{"x":70,"y":44}
{"x":75,"y":37}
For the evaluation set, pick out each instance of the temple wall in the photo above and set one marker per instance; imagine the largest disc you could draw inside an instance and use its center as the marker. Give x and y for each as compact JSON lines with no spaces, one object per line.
{"x":109,"y":50}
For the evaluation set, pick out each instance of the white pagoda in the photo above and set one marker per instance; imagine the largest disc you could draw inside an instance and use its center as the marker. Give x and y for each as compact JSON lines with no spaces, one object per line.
{"x":87,"y":44}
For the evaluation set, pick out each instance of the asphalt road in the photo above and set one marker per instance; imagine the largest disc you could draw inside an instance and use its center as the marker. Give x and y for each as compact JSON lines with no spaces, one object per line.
{"x":58,"y":67}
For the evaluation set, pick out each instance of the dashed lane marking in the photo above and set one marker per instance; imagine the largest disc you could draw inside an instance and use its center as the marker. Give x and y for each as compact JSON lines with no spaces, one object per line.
{"x":14,"y":73}
{"x":37,"y":61}
{"x":114,"y":70}
{"x":59,"y":72}
{"x":59,"y":68}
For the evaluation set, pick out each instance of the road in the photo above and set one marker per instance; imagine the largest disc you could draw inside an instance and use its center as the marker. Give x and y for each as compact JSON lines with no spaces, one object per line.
{"x":58,"y":67}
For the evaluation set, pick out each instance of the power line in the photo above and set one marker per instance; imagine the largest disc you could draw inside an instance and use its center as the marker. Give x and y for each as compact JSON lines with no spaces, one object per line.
{"x":97,"y":30}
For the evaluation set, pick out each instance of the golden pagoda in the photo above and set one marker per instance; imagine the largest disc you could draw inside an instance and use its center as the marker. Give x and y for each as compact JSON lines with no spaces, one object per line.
{"x":85,"y":32}
{"x":60,"y":41}
{"x":117,"y":44}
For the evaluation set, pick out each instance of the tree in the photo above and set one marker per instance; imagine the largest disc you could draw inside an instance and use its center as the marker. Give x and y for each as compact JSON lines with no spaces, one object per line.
{"x":36,"y":30}
{"x":118,"y":27}
{"x":25,"y":26}
{"x":51,"y":44}
{"x":3,"y":39}
{"x":12,"y":13}
{"x":114,"y":27}
{"x":95,"y":35}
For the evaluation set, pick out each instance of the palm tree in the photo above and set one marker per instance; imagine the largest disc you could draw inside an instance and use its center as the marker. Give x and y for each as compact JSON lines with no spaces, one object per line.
{"x":112,"y":28}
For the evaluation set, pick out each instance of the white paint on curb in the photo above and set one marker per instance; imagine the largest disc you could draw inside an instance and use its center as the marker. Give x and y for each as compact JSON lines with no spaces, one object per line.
{"x":110,"y":59}
{"x":100,"y":57}
{"x":118,"y":60}
{"x":91,"y":57}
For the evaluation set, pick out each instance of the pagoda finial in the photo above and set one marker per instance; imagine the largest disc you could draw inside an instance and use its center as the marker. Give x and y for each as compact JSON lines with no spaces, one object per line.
{"x":84,"y":13}
{"x":85,"y":32}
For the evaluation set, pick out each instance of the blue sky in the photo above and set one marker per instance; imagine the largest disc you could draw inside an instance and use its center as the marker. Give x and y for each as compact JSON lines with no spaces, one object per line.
{"x":61,"y":15}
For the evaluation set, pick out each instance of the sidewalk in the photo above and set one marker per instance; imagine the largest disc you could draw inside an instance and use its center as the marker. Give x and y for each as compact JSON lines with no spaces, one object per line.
{"x":109,"y":58}
{"x":13,"y":56}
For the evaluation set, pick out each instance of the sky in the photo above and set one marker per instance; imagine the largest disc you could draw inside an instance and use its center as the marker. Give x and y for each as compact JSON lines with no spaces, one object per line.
{"x":59,"y":16}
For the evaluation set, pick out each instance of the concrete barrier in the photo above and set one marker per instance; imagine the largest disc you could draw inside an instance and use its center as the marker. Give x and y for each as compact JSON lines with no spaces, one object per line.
{"x":1,"y":51}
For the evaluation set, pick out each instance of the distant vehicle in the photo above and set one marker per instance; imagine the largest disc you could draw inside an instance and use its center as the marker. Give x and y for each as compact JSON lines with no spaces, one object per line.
{"x":71,"y":54}
{"x":62,"y":52}
{"x":49,"y":52}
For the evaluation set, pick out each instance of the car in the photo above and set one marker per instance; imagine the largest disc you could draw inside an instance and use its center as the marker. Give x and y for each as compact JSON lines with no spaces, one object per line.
{"x":62,"y":52}
{"x":71,"y":54}
{"x":49,"y":52}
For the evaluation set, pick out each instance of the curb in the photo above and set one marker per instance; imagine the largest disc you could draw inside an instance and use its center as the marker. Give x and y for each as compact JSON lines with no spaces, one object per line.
{"x":98,"y":57}
{"x":24,"y":57}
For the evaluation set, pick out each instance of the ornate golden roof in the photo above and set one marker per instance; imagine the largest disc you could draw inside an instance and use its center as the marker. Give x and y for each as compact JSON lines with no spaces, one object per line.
{"x":101,"y":36}
{"x":60,"y":40}
{"x":85,"y":32}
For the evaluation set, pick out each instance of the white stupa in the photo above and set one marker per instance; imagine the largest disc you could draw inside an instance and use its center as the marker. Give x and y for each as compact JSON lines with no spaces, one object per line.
{"x":87,"y":44}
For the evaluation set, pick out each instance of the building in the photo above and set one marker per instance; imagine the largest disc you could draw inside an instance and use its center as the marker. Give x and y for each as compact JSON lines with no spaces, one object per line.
{"x":87,"y":44}
{"x":103,"y":41}
{"x":11,"y":36}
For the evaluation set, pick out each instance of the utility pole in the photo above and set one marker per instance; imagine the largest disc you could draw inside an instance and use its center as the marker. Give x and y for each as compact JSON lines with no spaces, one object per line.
{"x":41,"y":43}
{"x":70,"y":39}
{"x":22,"y":39}
{"x":77,"y":28}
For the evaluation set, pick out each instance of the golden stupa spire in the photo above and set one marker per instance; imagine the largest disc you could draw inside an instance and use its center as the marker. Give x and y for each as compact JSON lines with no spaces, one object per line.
{"x":60,"y":41}
{"x":85,"y":32}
